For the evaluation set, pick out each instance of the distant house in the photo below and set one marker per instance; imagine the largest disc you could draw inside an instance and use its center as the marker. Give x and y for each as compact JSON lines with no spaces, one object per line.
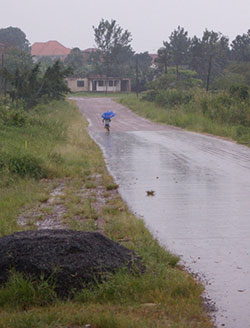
{"x":51,"y":49}
{"x":99,"y":83}
{"x":77,"y":84}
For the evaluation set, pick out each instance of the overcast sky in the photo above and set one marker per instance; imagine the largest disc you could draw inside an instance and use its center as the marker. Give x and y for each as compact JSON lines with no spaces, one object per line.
{"x":150,"y":22}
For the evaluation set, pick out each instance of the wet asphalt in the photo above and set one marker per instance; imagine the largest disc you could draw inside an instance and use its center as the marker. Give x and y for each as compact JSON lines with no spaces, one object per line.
{"x":201,"y":204}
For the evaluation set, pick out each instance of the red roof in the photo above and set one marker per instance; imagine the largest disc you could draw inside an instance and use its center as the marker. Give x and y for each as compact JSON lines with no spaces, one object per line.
{"x":90,"y":50}
{"x":50,"y":48}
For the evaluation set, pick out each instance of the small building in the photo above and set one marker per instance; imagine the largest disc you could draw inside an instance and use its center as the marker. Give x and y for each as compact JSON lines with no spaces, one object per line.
{"x":100,"y":83}
{"x":77,"y":84}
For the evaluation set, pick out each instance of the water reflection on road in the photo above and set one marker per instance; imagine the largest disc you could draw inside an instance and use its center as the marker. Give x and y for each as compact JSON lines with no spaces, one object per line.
{"x":201,"y":207}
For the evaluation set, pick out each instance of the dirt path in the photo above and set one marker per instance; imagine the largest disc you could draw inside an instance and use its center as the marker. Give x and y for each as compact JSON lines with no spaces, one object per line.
{"x":200,"y":209}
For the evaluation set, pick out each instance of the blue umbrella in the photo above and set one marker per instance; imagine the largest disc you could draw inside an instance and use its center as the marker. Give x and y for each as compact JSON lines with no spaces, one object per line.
{"x":108,"y":115}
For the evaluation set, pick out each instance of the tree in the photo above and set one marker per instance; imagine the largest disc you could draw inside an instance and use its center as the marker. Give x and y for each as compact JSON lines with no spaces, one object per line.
{"x":114,"y":46}
{"x":164,"y":56}
{"x":241,"y":47}
{"x":187,"y":79}
{"x":143,"y":72}
{"x":209,"y":55}
{"x":75,"y":60}
{"x":13,"y":37}
{"x":53,"y":83}
{"x":15,"y":59}
{"x":179,"y":44}
{"x":29,"y":87}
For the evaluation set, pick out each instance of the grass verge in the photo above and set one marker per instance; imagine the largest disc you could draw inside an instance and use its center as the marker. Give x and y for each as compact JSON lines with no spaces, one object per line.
{"x":164,"y":296}
{"x":189,"y":116}
{"x":88,"y":94}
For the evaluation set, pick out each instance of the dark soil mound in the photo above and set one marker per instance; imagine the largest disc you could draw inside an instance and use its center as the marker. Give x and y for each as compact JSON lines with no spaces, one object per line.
{"x":75,"y":258}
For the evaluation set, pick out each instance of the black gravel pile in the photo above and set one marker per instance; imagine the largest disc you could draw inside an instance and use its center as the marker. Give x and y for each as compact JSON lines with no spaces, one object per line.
{"x":75,"y":258}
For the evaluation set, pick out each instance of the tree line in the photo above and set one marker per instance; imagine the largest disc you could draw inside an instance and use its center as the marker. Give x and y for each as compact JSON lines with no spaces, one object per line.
{"x":210,"y":61}
{"x":195,"y":60}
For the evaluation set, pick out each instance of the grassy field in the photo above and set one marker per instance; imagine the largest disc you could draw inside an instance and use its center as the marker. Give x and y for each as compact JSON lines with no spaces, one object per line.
{"x":52,"y":149}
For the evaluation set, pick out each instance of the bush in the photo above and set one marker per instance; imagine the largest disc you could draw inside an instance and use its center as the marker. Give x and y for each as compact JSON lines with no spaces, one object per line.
{"x":149,"y":95}
{"x":11,"y":116}
{"x":23,"y":165}
{"x":173,"y":97}
{"x":241,"y":92}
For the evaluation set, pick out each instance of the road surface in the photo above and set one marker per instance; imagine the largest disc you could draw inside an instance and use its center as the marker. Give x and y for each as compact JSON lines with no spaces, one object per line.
{"x":201,"y":207}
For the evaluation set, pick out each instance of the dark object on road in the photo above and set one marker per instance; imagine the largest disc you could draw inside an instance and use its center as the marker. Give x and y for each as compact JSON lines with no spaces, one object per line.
{"x":75,"y":258}
{"x":150,"y":192}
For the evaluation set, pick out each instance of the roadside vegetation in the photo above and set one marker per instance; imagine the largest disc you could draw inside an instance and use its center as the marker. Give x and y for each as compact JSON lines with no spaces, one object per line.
{"x":223,"y":113}
{"x":49,"y":146}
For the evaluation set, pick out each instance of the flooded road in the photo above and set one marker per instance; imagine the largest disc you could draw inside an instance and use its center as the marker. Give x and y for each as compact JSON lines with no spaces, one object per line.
{"x":201,"y":206}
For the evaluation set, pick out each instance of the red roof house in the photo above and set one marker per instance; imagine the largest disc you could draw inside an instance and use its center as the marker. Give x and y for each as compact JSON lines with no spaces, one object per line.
{"x":52,"y":49}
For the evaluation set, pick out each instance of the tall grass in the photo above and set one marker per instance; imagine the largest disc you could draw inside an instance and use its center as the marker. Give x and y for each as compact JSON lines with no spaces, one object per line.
{"x":49,"y":144}
{"x":222,"y":114}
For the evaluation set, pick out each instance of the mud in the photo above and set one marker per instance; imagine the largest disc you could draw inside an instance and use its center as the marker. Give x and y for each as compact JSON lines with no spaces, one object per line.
{"x":74,"y":259}
{"x":200,"y":208}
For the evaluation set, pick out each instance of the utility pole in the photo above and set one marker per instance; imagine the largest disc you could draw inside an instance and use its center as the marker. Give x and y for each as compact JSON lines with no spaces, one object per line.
{"x":2,"y":66}
{"x":137,"y":76}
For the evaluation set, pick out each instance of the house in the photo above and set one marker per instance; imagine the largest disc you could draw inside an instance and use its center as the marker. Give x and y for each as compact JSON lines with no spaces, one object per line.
{"x":50,"y":49}
{"x":99,"y":83}
{"x":77,"y":84}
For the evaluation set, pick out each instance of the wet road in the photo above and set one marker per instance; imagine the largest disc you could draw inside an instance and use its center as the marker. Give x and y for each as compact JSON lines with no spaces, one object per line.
{"x":201,"y":207}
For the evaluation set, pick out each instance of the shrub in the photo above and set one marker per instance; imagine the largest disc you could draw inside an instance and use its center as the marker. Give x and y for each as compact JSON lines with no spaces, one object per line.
{"x":173,"y":97}
{"x":241,"y":92}
{"x":11,"y":116}
{"x":149,"y":95}
{"x":23,"y":165}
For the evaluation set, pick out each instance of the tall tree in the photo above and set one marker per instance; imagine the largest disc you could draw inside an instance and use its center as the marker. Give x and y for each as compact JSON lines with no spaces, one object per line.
{"x":240,"y":47}
{"x":75,"y":58}
{"x":209,"y":55}
{"x":29,"y":86}
{"x":179,"y":43}
{"x":164,"y":57}
{"x":113,"y":44}
{"x":13,"y":37}
{"x":142,"y":63}
{"x":15,"y":58}
{"x":53,"y":83}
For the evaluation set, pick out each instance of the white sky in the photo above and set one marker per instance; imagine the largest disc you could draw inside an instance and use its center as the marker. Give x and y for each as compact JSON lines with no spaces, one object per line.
{"x":150,"y":22}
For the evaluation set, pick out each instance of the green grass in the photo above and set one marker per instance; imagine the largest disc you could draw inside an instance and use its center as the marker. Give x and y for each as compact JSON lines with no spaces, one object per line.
{"x":188,"y":116}
{"x":98,"y":94}
{"x":164,"y":296}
